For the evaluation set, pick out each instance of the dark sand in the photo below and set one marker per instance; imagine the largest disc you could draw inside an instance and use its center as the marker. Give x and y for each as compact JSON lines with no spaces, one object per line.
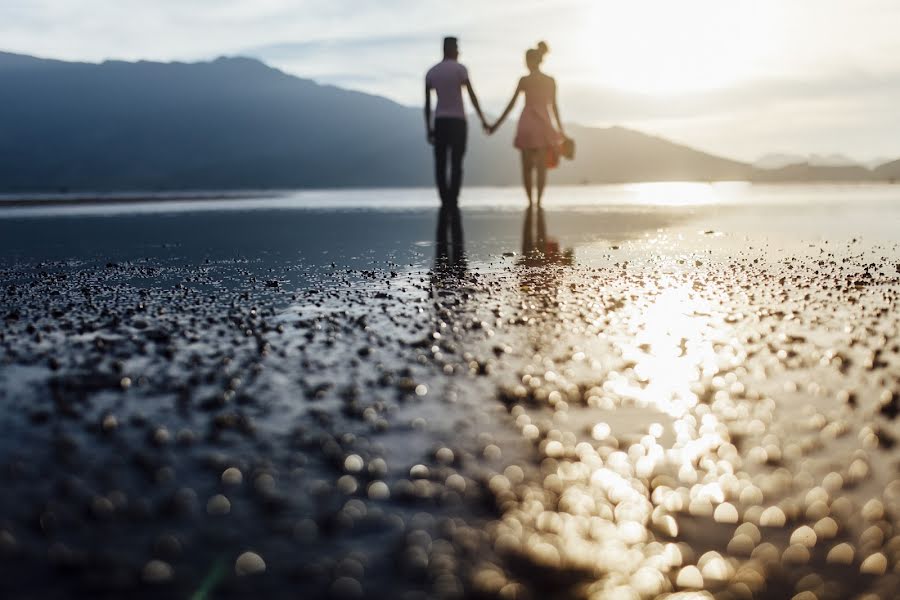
{"x":280,"y":403}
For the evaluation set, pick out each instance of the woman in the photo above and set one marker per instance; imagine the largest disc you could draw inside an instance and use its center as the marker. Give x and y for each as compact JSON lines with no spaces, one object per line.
{"x":536,"y":138}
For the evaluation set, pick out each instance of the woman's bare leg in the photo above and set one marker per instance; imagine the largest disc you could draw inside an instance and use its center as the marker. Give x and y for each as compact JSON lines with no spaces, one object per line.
{"x":540,"y":163}
{"x":526,"y":173}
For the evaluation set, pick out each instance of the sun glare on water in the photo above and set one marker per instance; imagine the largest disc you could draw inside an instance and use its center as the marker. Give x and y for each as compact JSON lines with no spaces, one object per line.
{"x":659,"y":47}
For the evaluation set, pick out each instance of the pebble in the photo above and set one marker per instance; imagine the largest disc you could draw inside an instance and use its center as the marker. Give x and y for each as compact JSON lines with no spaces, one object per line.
{"x":841,"y":554}
{"x":741,"y":545}
{"x":232,"y":476}
{"x":353,"y":463}
{"x":689,"y":577}
{"x":249,"y":563}
{"x":157,"y":571}
{"x":726,"y":513}
{"x":796,"y":554}
{"x":773,"y":516}
{"x":875,"y":564}
{"x":826,"y":528}
{"x":347,"y":484}
{"x":218,"y":505}
{"x":714,"y":568}
{"x":750,"y":530}
{"x":873,"y":510}
{"x":804,"y":536}
{"x":346,"y":587}
{"x":378,"y":490}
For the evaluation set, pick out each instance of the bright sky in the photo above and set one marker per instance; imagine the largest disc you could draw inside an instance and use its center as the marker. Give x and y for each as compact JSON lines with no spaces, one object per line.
{"x":740,"y":78}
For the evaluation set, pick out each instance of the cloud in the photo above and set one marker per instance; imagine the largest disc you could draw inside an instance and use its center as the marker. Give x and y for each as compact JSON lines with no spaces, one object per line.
{"x":610,"y":103}
{"x":821,"y":71}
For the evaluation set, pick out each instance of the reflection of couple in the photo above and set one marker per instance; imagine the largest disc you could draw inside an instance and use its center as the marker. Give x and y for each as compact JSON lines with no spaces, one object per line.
{"x":536,"y":137}
{"x":538,"y":248}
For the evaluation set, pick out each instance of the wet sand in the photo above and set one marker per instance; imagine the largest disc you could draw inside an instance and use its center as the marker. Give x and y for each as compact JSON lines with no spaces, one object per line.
{"x":627,"y":403}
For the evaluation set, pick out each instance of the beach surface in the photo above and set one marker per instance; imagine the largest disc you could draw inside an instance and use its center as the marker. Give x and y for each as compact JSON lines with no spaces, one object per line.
{"x":636,"y":392}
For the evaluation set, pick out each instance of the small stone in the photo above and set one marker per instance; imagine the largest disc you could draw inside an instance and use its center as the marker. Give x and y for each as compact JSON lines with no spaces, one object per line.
{"x":826,"y":528}
{"x":842,"y":554}
{"x":772,"y":517}
{"x":689,"y":578}
{"x":157,"y":571}
{"x":444,"y":456}
{"x":419,"y":472}
{"x":873,"y":510}
{"x":347,"y":484}
{"x":232,"y":476}
{"x":876,"y":564}
{"x":8,"y":542}
{"x":218,"y":505}
{"x":378,"y":490}
{"x":346,"y":587}
{"x":741,"y":545}
{"x":109,"y":423}
{"x":167,"y":545}
{"x":750,"y":530}
{"x":805,"y":536}
{"x":306,"y":530}
{"x":249,"y":563}
{"x":716,"y":569}
{"x":353,"y":463}
{"x":796,"y":554}
{"x":726,"y":513}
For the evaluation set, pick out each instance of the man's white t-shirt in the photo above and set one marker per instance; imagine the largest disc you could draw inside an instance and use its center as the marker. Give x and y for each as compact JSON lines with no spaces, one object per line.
{"x":447,"y":78}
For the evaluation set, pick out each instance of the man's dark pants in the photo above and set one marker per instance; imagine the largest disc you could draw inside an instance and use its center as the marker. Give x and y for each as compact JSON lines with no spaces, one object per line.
{"x":449,"y":138}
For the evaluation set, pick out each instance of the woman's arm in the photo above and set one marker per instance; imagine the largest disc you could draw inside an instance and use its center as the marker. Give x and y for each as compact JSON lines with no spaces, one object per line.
{"x":559,"y":122}
{"x":509,"y":107}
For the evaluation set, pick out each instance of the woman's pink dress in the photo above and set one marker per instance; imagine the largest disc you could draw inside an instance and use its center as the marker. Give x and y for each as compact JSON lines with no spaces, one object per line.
{"x":535,"y":127}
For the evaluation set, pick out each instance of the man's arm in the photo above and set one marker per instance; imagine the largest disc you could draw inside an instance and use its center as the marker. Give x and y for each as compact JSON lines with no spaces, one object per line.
{"x":429,"y":130}
{"x":509,"y":107}
{"x":475,"y":104}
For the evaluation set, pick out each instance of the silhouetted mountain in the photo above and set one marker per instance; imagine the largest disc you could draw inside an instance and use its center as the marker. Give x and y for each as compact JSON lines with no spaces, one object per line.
{"x":889,"y":171}
{"x":807,"y":172}
{"x":778,"y":161}
{"x":228,"y":123}
{"x":236,"y":123}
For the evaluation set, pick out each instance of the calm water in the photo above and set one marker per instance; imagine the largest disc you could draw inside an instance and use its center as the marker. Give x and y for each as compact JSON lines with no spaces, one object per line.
{"x":509,"y":198}
{"x":352,"y":226}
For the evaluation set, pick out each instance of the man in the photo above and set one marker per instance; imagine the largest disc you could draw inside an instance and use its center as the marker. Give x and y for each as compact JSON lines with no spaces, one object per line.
{"x":448,"y":132}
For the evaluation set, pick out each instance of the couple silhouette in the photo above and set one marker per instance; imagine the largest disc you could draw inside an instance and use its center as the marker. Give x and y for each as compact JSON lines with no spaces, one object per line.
{"x":539,"y":142}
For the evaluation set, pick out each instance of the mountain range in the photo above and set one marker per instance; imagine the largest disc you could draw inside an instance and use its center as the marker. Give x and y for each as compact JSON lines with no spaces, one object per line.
{"x":236,"y":123}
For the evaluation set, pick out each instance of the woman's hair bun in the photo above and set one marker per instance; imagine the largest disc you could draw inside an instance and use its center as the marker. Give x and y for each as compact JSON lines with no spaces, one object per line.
{"x":543,"y":48}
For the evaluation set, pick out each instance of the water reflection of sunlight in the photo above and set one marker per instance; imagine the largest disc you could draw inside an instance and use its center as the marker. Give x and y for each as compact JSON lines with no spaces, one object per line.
{"x":680,"y":193}
{"x":670,"y":352}
{"x":613,"y":504}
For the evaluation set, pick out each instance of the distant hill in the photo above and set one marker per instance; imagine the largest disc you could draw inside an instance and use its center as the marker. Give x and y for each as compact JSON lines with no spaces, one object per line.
{"x":778,"y":161}
{"x":889,"y":171}
{"x":235,"y":123}
{"x":808,"y":172}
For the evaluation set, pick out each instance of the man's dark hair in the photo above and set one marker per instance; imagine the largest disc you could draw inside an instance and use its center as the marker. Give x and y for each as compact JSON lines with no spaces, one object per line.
{"x":450,"y":44}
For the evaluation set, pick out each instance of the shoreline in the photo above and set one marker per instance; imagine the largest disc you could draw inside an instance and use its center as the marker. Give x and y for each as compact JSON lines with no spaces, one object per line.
{"x":98,"y":198}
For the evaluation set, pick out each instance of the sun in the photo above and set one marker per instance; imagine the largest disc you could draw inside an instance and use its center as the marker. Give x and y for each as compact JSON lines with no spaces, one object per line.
{"x":674,"y":46}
